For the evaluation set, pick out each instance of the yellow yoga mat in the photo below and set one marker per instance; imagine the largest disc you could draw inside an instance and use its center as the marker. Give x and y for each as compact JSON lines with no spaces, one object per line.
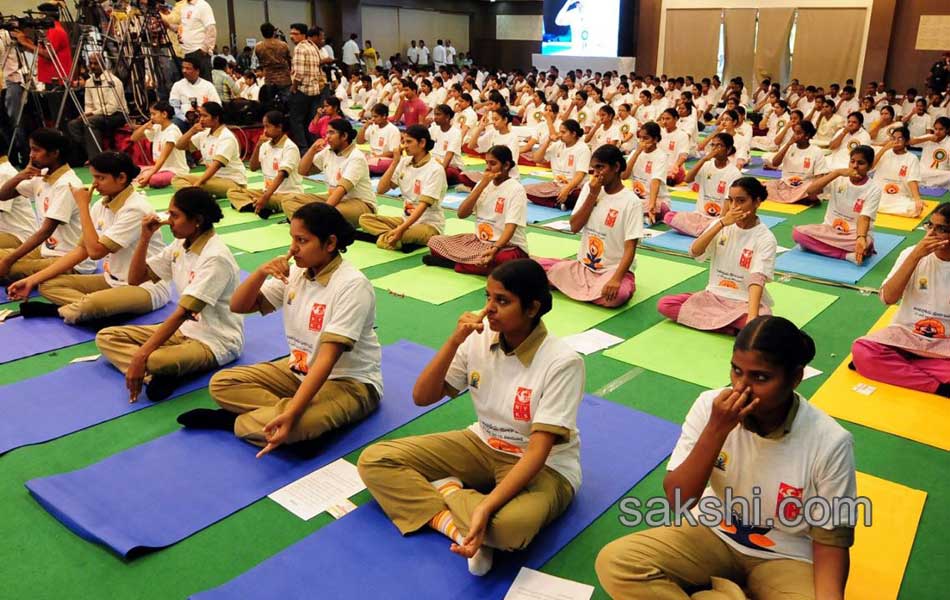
{"x":906,"y":223}
{"x":472,"y":161}
{"x":880,"y":552}
{"x":544,"y":172}
{"x":910,"y":414}
{"x":785,"y":209}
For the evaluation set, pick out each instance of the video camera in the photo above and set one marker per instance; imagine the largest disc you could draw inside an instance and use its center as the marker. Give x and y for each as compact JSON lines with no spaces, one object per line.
{"x":31,"y":20}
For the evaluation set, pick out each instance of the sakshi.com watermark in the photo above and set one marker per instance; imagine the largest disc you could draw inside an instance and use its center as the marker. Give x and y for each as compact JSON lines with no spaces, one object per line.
{"x":791,"y":511}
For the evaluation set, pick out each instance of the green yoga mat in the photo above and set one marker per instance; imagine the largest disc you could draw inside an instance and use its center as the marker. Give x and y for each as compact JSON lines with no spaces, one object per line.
{"x":260,"y":239}
{"x":430,"y":284}
{"x":701,"y":357}
{"x":233,"y":217}
{"x":160,"y":201}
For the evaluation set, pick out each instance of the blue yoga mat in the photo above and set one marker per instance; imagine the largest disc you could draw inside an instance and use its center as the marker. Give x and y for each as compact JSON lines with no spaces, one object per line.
{"x":760,"y":172}
{"x":677,"y":242}
{"x":26,"y":337}
{"x":4,"y":298}
{"x":814,"y":265}
{"x":619,"y":446}
{"x":85,"y":394}
{"x":165,"y":490}
{"x":932,"y":192}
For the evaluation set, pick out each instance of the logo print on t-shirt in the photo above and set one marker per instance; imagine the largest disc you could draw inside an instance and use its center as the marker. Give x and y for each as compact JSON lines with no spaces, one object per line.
{"x":903,"y":171}
{"x":417,"y":187}
{"x":892,"y":188}
{"x":712,"y":209}
{"x":722,"y":461}
{"x":380,"y":141}
{"x":806,"y":163}
{"x":485,"y":232}
{"x":298,"y":361}
{"x":745,"y":261}
{"x":570,"y":161}
{"x":595,"y":253}
{"x":611,"y":219}
{"x":791,"y":509}
{"x":721,"y":187}
{"x":841,"y":225}
{"x":930,"y":328}
{"x":522,"y":408}
{"x":316,"y":316}
{"x":500,"y":205}
{"x":649,"y":168}
{"x":474,"y":380}
{"x":922,"y":283}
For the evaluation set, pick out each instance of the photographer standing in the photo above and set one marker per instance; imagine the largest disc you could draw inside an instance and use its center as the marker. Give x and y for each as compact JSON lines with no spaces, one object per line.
{"x":197,"y":33}
{"x":58,"y":39}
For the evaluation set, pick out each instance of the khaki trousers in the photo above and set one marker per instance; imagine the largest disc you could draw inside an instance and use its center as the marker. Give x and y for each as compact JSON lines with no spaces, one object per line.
{"x":26,"y":266}
{"x":241,"y":197}
{"x":216,"y":186}
{"x":87,"y":297}
{"x":657,"y":564}
{"x":8,"y":240}
{"x":350,"y":209}
{"x":177,"y":357}
{"x":378,"y":225}
{"x":261,"y":392}
{"x":398,"y":473}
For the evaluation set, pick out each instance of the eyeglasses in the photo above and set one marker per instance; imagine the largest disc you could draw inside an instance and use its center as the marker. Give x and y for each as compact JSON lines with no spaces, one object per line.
{"x":941,"y":229}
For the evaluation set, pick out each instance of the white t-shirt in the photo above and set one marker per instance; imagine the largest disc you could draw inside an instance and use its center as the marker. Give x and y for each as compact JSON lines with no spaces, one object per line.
{"x":351,"y":52}
{"x":123,"y":227}
{"x":895,"y":171}
{"x":919,"y":124}
{"x":383,"y":139}
{"x":176,"y":162}
{"x":615,"y":219}
{"x":415,"y":182}
{"x":714,"y":184}
{"x":210,"y":275}
{"x":183,"y":91}
{"x":583,"y":115}
{"x":499,"y":205}
{"x":223,"y":147}
{"x":850,"y":201}
{"x":841,"y":157}
{"x":17,"y":216}
{"x":466,"y":118}
{"x":445,"y":142}
{"x":195,"y":18}
{"x":924,"y":307}
{"x":510,"y":398}
{"x":53,"y":199}
{"x":801,"y":165}
{"x":814,"y":459}
{"x":282,"y":156}
{"x":650,"y":166}
{"x":344,"y":307}
{"x":736,"y":255}
{"x":674,"y":143}
{"x":351,"y":165}
{"x":936,"y":155}
{"x":567,"y":161}
{"x":610,"y":135}
{"x":491,"y":137}
{"x":438,"y":55}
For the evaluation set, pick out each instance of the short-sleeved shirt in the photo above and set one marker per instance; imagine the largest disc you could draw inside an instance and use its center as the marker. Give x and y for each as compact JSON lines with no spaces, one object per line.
{"x":350,"y":166}
{"x":536,"y":387}
{"x":809,"y":456}
{"x":59,"y":40}
{"x":499,"y":205}
{"x":895,"y":171}
{"x":466,"y":118}
{"x":336,"y":305}
{"x":53,"y":199}
{"x":183,"y":92}
{"x":801,"y":165}
{"x":567,"y":161}
{"x":445,"y":142}
{"x":205,"y":275}
{"x":714,"y":184}
{"x":282,"y":155}
{"x":610,"y":135}
{"x":936,"y":155}
{"x":841,"y":157}
{"x":176,"y":162}
{"x":424,"y":183}
{"x":736,"y":255}
{"x":850,"y":201}
{"x":383,"y":139}
{"x":925,"y":303}
{"x":651,"y":166}
{"x":221,"y":146}
{"x":615,"y":219}
{"x":195,"y":18}
{"x":414,"y":111}
{"x":17,"y":216}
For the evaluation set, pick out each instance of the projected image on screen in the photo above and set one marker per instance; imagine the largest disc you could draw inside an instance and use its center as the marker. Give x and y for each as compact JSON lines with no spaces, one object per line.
{"x":580,"y":27}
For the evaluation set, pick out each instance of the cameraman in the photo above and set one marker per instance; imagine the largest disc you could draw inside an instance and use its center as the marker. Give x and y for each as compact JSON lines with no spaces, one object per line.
{"x":190,"y":92}
{"x":197,"y":33}
{"x":105,"y":106}
{"x":58,"y":39}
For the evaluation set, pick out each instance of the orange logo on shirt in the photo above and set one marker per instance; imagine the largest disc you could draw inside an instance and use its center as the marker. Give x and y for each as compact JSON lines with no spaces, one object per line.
{"x":51,"y":243}
{"x":298,"y":361}
{"x":858,"y":205}
{"x":930,"y":328}
{"x":806,"y":163}
{"x":841,"y":225}
{"x":484,"y":232}
{"x":795,"y":181}
{"x":522,"y":408}
{"x":790,"y":510}
{"x":611,"y":219}
{"x":417,"y":187}
{"x":728,"y":283}
{"x":639,"y":189}
{"x":408,"y":207}
{"x":595,"y":253}
{"x":500,"y":205}
{"x":502,"y":445}
{"x":570,"y":161}
{"x":903,"y":171}
{"x":720,"y":187}
{"x":316,"y":316}
{"x":712,"y":209}
{"x":892,"y":188}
